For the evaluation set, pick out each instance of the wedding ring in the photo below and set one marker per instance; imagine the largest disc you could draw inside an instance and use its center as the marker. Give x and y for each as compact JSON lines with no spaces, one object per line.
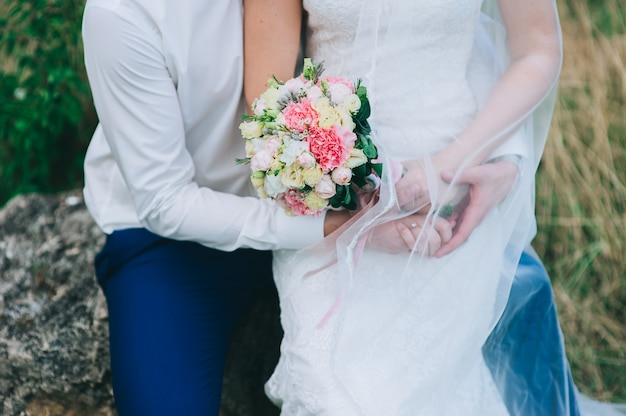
{"x":413,"y":225}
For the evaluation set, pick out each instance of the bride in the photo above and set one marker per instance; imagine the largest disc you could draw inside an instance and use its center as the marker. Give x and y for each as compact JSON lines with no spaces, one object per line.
{"x":453,"y":85}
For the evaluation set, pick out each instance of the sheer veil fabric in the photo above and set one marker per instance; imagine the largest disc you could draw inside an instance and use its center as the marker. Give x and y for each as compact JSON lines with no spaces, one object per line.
{"x":370,"y":333}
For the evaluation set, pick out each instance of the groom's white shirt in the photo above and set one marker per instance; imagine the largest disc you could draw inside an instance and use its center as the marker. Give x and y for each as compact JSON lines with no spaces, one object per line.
{"x":166,"y":78}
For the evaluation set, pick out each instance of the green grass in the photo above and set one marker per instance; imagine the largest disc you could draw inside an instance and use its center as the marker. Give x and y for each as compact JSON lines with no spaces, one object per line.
{"x":581,"y":196}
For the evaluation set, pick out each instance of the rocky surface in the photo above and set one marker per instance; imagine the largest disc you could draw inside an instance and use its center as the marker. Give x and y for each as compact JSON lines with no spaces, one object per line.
{"x":53,"y":319}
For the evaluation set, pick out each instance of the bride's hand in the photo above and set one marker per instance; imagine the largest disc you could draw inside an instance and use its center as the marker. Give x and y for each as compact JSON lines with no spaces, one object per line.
{"x":414,"y":187}
{"x":402,"y":235}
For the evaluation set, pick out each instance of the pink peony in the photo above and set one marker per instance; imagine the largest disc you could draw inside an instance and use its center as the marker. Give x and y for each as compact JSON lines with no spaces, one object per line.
{"x":300,"y":116}
{"x":331,"y":147}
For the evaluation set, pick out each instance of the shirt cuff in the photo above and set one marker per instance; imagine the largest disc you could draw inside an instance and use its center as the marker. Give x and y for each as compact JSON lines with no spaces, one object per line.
{"x":299,"y":232}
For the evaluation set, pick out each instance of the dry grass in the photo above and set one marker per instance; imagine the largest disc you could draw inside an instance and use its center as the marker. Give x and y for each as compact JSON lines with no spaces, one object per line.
{"x":581,"y":200}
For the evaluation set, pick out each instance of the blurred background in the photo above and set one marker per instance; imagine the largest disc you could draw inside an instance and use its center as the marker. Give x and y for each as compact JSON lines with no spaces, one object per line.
{"x":47,"y":118}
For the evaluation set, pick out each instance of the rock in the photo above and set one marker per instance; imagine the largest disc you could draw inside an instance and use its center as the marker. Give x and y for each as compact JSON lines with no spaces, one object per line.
{"x":54,"y":353}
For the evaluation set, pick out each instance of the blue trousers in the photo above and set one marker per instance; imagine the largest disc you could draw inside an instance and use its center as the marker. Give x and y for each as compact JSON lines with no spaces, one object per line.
{"x":525,"y":351}
{"x":173,"y":307}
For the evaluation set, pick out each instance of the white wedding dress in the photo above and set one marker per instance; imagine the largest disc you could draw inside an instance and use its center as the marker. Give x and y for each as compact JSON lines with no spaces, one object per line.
{"x":406,"y":336}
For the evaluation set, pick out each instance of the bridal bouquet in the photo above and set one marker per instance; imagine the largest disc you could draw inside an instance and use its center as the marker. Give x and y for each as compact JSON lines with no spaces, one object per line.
{"x":308,"y":142}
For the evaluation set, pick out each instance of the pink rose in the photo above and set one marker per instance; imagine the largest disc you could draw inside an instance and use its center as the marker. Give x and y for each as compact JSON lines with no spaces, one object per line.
{"x":339,"y":80}
{"x":330,"y":146}
{"x":326,"y":188}
{"x":299,"y":116}
{"x":306,"y":160}
{"x":341,"y":175}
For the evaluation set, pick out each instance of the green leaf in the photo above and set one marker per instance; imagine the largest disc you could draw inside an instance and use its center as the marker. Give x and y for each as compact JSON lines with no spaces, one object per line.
{"x":378,"y":168}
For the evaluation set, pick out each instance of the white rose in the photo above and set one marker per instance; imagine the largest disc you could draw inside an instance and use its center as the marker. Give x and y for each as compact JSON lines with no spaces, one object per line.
{"x":313,"y":175}
{"x":250,"y":148}
{"x":251,"y":129}
{"x":292,"y":177}
{"x":357,"y":158}
{"x":352,"y":103}
{"x":326,"y":188}
{"x":339,"y":92}
{"x":314,"y":93}
{"x":328,"y":118}
{"x":270,"y":97}
{"x":274,"y":186}
{"x":314,"y":202}
{"x":262,"y":160}
{"x":321,"y":104}
{"x":306,"y":160}
{"x":294,"y":85}
{"x":341,"y":175}
{"x":346,"y":119}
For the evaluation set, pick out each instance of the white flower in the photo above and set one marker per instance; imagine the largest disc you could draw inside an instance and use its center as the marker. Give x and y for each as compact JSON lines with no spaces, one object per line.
{"x":292,"y":149}
{"x":270,"y":97}
{"x":326,"y":188}
{"x":339,"y":92}
{"x":251,"y":129}
{"x":274,"y":185}
{"x":262,"y":160}
{"x":294,"y":85}
{"x":346,"y":119}
{"x":292,"y":177}
{"x":328,"y":118}
{"x":357,"y":158}
{"x":352,"y":103}
{"x":272,"y":144}
{"x":341,"y":175}
{"x":306,"y":160}
{"x":19,"y":94}
{"x":314,"y":93}
{"x":280,"y":119}
{"x":258,"y":106}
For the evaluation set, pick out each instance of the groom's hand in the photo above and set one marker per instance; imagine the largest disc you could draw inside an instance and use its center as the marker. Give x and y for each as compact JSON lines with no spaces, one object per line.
{"x":488,"y":185}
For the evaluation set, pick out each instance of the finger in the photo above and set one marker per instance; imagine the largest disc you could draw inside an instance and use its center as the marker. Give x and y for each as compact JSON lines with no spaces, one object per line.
{"x":469,"y":176}
{"x":411,"y":196}
{"x":444,"y":229}
{"x":406,"y":232}
{"x":470,"y":219}
{"x":434,"y":242}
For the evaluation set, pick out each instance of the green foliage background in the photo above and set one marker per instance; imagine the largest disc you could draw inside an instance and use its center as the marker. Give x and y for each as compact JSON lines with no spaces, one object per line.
{"x":46,"y":116}
{"x":46,"y":119}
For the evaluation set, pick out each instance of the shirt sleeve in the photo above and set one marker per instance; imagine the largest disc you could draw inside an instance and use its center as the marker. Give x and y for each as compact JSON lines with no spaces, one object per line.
{"x":138,"y":109}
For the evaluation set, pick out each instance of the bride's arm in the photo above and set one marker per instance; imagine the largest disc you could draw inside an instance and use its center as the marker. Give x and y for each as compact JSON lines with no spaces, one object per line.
{"x":271,"y":43}
{"x":535,"y":48}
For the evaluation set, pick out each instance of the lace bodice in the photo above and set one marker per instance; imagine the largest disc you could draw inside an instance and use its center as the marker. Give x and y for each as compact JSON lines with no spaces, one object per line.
{"x":419,"y":67}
